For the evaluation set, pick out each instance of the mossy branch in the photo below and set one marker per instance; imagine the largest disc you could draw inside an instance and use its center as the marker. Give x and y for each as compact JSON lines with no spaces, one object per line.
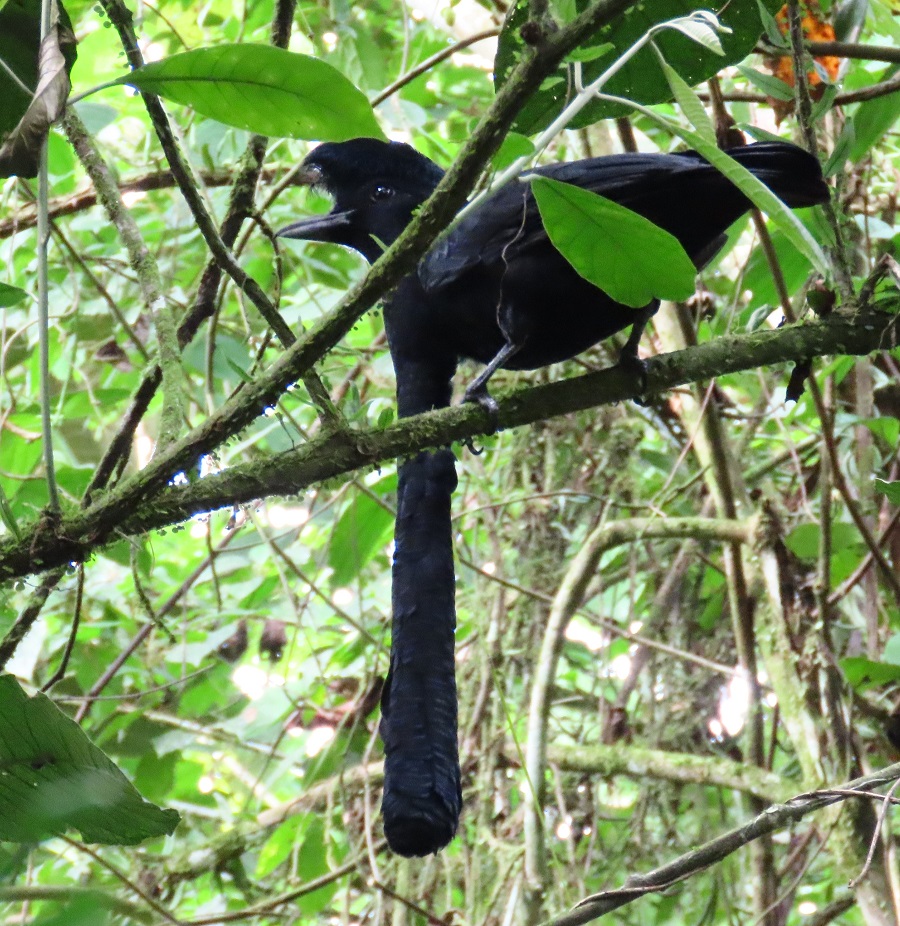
{"x":145,"y":502}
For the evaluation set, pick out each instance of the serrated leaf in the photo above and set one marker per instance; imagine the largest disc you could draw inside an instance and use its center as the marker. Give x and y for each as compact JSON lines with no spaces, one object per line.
{"x":637,"y":262}
{"x":53,"y":778}
{"x":262,"y":89}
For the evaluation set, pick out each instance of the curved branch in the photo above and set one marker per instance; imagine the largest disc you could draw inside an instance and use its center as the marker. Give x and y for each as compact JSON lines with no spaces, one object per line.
{"x":567,"y":600}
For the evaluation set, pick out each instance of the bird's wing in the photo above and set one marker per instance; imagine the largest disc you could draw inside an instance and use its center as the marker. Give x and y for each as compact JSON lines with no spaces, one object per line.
{"x":507,"y":223}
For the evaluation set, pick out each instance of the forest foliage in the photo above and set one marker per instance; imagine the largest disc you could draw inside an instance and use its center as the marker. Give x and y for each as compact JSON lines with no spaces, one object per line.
{"x":673,"y":613}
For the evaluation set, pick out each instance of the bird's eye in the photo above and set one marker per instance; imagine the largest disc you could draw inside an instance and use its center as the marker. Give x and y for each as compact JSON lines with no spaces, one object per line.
{"x":382,"y":192}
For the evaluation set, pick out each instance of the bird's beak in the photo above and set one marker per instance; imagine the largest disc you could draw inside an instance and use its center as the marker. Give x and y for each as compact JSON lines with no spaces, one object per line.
{"x":318,"y":227}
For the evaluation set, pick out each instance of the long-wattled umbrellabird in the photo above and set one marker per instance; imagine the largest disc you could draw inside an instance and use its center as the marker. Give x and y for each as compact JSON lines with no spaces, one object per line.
{"x":493,"y":290}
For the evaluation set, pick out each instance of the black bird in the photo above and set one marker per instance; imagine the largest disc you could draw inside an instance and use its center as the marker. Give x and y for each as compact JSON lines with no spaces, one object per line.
{"x":497,"y":291}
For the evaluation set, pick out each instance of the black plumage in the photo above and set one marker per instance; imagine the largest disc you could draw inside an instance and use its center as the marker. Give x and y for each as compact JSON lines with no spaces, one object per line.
{"x":494,"y":290}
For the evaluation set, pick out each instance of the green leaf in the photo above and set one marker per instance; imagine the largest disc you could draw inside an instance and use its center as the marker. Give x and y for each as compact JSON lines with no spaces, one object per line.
{"x":262,"y":89}
{"x":795,"y":268}
{"x":691,"y":104}
{"x":771,"y":86}
{"x":863,"y":673}
{"x":890,"y":489}
{"x":873,"y":118}
{"x":754,"y":189}
{"x":514,"y":147}
{"x":759,"y":134}
{"x":363,"y":528}
{"x":591,"y":52}
{"x":841,"y":151}
{"x":11,"y":295}
{"x":803,"y":540}
{"x":52,"y":777}
{"x":7,"y":515}
{"x":638,"y":261}
{"x":773,"y":33}
{"x":639,"y":78}
{"x":703,"y":33}
{"x":886,"y":427}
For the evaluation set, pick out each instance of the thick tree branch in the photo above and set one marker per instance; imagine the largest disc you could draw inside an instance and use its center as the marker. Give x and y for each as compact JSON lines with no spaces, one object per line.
{"x":74,"y":538}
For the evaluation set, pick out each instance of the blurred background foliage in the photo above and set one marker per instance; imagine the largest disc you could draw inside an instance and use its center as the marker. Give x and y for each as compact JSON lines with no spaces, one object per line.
{"x":256,"y":639}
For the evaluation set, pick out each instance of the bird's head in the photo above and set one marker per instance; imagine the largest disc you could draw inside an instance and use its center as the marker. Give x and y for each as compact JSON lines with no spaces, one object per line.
{"x":375,"y":186}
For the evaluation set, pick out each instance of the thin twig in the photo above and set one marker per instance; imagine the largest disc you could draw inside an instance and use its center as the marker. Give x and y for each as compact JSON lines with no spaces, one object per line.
{"x":772,"y":819}
{"x":429,"y":63}
{"x":73,"y":633}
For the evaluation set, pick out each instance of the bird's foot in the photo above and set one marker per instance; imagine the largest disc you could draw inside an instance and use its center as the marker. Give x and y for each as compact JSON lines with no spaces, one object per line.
{"x":477,"y":393}
{"x":634,"y":366}
{"x":482,"y":397}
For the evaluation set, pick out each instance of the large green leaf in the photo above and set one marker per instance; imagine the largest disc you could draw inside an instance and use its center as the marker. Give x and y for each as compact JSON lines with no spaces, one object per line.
{"x":627,"y":256}
{"x":890,"y":489}
{"x":52,"y":777}
{"x":262,"y":89}
{"x":641,"y":79}
{"x":872,"y":118}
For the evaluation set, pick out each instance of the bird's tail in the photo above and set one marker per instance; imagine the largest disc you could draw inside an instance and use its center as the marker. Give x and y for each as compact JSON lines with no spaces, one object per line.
{"x":422,"y":795}
{"x":791,"y":173}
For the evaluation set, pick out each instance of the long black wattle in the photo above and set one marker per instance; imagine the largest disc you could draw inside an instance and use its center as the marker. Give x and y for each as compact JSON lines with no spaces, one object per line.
{"x":422,"y":794}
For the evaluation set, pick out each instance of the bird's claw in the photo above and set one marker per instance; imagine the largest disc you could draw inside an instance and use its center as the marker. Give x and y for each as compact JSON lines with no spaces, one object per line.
{"x":480,"y":396}
{"x":485,"y":400}
{"x":635,"y":366}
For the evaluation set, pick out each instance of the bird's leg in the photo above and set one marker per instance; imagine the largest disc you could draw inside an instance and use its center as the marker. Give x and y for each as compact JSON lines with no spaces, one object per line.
{"x":477,"y":389}
{"x":628,"y":356}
